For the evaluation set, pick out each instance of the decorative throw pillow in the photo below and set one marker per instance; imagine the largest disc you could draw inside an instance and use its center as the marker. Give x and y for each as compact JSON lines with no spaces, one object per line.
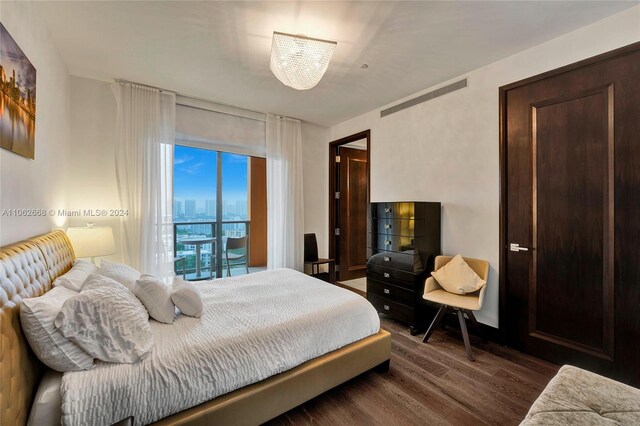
{"x":107,"y":321}
{"x":50,"y":346}
{"x":75,"y":277}
{"x":458,"y":277}
{"x":186,"y":297}
{"x":156,"y":297}
{"x":119,"y":272}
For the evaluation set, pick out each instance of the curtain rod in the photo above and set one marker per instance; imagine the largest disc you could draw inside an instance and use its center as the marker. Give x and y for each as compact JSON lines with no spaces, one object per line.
{"x":286,"y":118}
{"x":123,"y":81}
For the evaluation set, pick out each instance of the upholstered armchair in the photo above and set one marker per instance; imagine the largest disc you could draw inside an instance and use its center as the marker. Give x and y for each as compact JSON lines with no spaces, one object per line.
{"x":460,"y":304}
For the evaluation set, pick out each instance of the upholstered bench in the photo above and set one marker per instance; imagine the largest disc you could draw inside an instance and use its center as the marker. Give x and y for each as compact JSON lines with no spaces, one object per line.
{"x":579,"y":397}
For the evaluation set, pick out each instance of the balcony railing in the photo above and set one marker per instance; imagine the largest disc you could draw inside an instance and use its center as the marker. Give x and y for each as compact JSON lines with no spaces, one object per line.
{"x":197,"y":243}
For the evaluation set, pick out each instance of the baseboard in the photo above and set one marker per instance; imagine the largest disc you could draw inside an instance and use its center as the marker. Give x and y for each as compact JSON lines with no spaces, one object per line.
{"x":482,"y":331}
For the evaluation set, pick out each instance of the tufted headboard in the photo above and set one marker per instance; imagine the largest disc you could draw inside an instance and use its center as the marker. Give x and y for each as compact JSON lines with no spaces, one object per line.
{"x":27,"y":269}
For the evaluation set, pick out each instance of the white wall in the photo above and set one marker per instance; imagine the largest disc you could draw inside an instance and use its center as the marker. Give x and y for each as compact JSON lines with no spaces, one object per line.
{"x":38,"y":183}
{"x":315,"y":153}
{"x":447,"y":149}
{"x":92,"y":184}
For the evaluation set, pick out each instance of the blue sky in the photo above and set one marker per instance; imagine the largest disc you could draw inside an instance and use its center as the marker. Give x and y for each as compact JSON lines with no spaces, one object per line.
{"x":195,"y":175}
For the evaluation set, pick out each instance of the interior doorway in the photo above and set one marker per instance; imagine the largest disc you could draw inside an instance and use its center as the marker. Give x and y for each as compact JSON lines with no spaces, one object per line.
{"x":349,"y":183}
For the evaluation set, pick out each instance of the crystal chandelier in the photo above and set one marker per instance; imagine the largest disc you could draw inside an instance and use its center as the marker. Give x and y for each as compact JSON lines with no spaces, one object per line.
{"x":298,"y":61}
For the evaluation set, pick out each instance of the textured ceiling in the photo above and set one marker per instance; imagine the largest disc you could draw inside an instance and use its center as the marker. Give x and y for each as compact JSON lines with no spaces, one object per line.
{"x":220,"y":50}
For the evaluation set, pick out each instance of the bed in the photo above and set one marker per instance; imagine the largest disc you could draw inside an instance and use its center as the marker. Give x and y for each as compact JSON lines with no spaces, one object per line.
{"x":28,"y":268}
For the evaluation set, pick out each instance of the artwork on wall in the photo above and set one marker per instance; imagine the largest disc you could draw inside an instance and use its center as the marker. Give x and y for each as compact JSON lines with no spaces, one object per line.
{"x":17,"y":98}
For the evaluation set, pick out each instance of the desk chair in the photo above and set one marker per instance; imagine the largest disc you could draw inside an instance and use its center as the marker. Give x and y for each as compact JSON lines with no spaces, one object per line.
{"x":311,"y":258}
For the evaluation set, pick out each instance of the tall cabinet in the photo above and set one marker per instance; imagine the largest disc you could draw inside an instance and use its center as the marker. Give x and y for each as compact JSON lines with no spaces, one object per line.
{"x":403,"y":240}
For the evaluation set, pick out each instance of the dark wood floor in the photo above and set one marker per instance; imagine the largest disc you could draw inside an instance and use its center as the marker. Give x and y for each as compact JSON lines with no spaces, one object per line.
{"x":433,"y":384}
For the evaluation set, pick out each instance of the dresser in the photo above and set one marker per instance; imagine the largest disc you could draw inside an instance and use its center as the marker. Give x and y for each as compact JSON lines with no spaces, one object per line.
{"x":403,"y":240}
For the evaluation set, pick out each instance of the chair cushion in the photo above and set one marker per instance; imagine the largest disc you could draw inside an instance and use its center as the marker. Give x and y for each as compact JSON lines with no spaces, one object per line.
{"x":469,"y":302}
{"x":579,"y":397}
{"x":458,"y":277}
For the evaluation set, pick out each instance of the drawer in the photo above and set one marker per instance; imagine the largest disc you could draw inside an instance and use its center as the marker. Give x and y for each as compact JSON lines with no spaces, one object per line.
{"x":391,"y":292}
{"x":393,"y":210}
{"x":399,"y":261}
{"x":392,"y":276}
{"x":389,"y":307}
{"x":396,"y":243}
{"x":403,"y":227}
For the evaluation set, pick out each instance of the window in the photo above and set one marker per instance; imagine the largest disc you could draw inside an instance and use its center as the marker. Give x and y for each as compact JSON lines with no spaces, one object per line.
{"x":210,"y":205}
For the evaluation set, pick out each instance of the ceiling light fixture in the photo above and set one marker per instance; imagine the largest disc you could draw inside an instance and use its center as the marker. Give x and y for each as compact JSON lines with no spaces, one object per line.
{"x":299,"y":61}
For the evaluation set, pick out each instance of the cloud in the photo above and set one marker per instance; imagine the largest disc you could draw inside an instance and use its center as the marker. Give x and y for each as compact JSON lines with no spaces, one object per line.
{"x":194,"y":168}
{"x":183,"y":159}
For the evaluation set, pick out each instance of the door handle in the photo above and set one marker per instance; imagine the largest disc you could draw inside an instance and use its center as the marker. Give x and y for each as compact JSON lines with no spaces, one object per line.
{"x":516,"y":247}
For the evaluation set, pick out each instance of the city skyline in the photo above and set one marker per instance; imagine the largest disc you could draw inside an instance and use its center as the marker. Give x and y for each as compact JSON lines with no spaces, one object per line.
{"x":195,"y":184}
{"x":190,"y":208}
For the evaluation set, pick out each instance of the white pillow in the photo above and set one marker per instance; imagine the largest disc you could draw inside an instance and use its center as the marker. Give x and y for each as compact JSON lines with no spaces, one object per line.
{"x":186,"y":297}
{"x":156,"y":297}
{"x":74,"y":278}
{"x":50,"y":346}
{"x":458,"y":277}
{"x":107,"y":321}
{"x":119,"y":272}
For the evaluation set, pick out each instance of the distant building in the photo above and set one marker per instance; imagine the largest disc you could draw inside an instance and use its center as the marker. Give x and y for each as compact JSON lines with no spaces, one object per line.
{"x":210,"y":208}
{"x":241,"y":208}
{"x":190,"y":208}
{"x":178,"y":209}
{"x":234,"y":233}
{"x":229,"y":208}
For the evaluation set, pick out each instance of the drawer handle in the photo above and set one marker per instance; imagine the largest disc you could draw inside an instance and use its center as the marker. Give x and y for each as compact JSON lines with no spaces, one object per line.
{"x":386,"y":307}
{"x":387,"y":242}
{"x":387,"y":226}
{"x":387,"y":258}
{"x":387,"y":210}
{"x":386,"y":275}
{"x":387,"y":291}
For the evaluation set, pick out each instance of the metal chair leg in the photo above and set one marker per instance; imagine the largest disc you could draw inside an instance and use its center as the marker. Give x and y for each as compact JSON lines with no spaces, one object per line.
{"x":474,"y":321}
{"x":472,"y":317}
{"x":465,"y":336}
{"x":434,"y":323}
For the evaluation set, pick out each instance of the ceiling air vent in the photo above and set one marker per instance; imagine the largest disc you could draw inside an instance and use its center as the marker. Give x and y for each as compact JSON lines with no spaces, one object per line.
{"x":426,"y":97}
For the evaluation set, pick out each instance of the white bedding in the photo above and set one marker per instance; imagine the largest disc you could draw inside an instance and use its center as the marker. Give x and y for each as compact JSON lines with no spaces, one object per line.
{"x":252,"y":327}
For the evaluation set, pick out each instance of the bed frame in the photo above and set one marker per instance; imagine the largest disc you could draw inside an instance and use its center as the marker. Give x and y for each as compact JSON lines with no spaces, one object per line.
{"x":28,"y":269}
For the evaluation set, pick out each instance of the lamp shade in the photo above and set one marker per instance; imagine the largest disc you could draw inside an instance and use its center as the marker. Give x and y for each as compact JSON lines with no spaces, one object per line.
{"x":298,"y":61}
{"x":92,"y":241}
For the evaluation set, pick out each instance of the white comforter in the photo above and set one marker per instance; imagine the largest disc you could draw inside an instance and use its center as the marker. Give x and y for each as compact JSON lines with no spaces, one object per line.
{"x":253,"y":327}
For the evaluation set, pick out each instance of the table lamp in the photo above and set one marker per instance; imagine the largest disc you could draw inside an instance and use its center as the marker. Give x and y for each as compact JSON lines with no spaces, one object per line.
{"x":92,"y":241}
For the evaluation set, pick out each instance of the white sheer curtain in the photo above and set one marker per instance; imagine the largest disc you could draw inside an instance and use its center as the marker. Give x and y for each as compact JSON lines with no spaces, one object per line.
{"x":285,"y":211}
{"x":145,"y":133}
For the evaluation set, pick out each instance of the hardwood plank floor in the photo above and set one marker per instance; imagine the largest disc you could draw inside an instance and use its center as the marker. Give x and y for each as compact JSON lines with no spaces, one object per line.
{"x":432,"y":384}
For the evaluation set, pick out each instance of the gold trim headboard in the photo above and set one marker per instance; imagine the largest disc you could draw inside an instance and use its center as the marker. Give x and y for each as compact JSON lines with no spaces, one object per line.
{"x":27,"y":269}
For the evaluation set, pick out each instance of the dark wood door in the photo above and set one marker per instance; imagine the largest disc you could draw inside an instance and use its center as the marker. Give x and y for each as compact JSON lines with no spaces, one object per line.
{"x":352,"y":212}
{"x":572,"y":200}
